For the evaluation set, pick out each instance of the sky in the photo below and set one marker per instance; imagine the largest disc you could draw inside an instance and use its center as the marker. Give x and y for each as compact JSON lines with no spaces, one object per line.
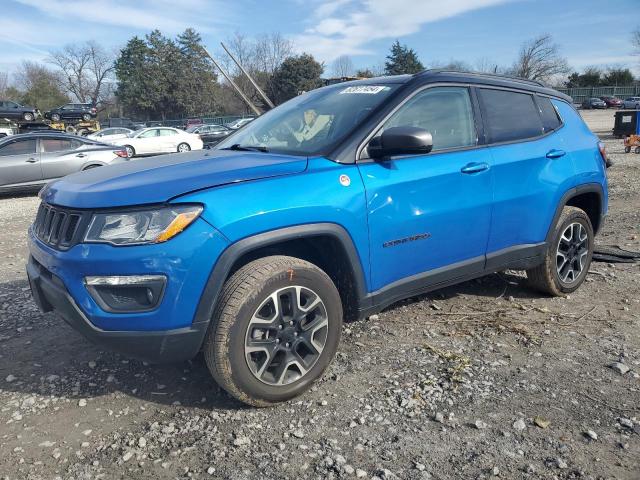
{"x":588,"y":32}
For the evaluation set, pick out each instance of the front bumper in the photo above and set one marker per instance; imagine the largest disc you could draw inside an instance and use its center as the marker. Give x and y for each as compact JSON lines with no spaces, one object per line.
{"x":167,"y":333}
{"x":162,"y":346}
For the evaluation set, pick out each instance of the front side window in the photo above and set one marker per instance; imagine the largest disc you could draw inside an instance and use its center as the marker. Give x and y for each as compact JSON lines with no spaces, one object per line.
{"x":509,"y":116}
{"x":445,"y":112}
{"x":18,"y":147}
{"x":312,"y":123}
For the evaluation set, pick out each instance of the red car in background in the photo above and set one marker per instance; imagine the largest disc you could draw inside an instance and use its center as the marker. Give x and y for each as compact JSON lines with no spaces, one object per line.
{"x":612,"y":102}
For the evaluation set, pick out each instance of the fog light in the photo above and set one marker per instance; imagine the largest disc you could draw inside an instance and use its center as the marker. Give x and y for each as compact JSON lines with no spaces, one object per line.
{"x":127,"y":293}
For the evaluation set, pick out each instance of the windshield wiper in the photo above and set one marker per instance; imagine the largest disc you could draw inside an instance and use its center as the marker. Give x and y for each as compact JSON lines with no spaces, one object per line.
{"x":245,"y":148}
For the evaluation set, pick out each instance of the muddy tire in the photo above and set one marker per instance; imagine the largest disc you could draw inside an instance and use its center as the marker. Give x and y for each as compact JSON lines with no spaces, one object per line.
{"x":568,"y":256}
{"x":274,"y":331}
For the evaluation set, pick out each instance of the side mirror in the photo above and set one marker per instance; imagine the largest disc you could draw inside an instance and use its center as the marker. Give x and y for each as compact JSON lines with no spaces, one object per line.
{"x":400,"y":141}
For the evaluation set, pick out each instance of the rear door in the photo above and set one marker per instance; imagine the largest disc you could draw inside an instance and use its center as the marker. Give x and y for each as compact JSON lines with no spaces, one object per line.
{"x":530,"y":168}
{"x":60,"y":156}
{"x":19,"y":163}
{"x":169,"y":140}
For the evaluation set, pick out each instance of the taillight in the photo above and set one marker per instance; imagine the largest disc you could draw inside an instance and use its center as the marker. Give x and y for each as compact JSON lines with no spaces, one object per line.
{"x":121,"y":153}
{"x":603,"y":153}
{"x":93,"y":110}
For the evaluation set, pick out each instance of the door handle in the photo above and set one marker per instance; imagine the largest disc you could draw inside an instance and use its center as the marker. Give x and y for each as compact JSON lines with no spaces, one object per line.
{"x":81,"y":155}
{"x":32,"y":160}
{"x":556,"y":153}
{"x":475,"y":167}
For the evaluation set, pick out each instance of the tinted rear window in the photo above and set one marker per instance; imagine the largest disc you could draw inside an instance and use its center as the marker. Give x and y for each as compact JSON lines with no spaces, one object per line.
{"x":510,"y":115}
{"x":550,"y":118}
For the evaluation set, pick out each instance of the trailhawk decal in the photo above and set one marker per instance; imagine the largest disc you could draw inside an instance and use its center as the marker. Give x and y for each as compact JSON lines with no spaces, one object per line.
{"x":412,"y":238}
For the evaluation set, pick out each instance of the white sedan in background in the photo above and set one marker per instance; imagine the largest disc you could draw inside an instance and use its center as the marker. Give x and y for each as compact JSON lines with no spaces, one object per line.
{"x":108,"y":134}
{"x":151,"y":141}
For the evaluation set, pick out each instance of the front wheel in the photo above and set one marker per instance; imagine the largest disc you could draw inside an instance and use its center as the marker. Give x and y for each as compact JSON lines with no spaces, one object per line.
{"x":28,"y":117}
{"x":55,"y":117}
{"x":86,"y":117}
{"x":183,"y":147}
{"x":275,"y":330}
{"x":568,"y":256}
{"x":627,"y":149}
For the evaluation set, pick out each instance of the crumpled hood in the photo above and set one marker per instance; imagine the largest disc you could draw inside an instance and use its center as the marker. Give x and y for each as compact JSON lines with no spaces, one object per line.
{"x":161,"y":178}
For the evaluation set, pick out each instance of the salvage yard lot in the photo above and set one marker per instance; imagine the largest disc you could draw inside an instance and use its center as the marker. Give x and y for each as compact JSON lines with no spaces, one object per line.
{"x":480,"y":379}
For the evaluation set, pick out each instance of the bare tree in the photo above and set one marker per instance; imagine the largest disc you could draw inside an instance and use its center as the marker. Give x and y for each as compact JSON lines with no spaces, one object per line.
{"x":87,"y":71}
{"x":4,"y":83}
{"x":271,"y":50}
{"x":343,"y":66}
{"x":635,"y":41}
{"x":486,"y":65}
{"x":540,"y":60}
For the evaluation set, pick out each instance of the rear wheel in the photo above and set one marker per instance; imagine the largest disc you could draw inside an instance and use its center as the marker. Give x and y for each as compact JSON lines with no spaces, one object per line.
{"x":637,"y":150}
{"x":86,"y":117}
{"x":568,"y":255}
{"x":28,"y":116}
{"x":183,"y":147}
{"x":627,"y":149}
{"x":275,"y":330}
{"x":55,"y":117}
{"x":131,"y":152}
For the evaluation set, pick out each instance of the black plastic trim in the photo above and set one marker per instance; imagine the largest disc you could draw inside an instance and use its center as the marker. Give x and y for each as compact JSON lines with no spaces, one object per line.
{"x":158,"y":346}
{"x":236,"y":250}
{"x":574,"y":192}
{"x":422,"y":283}
{"x":518,"y":257}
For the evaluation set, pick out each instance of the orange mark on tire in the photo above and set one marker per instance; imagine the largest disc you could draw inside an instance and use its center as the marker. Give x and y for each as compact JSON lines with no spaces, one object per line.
{"x":290,"y":272}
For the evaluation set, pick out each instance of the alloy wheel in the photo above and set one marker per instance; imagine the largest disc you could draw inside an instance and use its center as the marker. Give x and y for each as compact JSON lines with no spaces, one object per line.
{"x":286,"y":335}
{"x":572,"y":252}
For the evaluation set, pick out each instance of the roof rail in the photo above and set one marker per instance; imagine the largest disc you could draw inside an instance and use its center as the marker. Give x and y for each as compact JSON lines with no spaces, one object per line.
{"x":484,"y":74}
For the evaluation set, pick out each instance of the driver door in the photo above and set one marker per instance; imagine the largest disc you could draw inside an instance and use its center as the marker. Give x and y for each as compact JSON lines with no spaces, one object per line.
{"x":429,"y":214}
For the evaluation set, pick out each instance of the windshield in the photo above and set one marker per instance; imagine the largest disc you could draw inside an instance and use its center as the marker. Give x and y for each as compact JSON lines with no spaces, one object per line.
{"x":312,"y":123}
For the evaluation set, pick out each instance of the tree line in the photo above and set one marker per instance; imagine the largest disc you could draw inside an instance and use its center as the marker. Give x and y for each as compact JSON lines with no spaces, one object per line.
{"x":158,"y":77}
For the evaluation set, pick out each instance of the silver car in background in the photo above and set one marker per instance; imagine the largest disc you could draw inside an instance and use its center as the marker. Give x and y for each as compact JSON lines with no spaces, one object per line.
{"x":631,"y":103}
{"x":30,"y":160}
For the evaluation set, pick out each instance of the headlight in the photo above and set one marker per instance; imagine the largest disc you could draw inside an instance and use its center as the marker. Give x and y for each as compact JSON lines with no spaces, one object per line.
{"x":142,"y":226}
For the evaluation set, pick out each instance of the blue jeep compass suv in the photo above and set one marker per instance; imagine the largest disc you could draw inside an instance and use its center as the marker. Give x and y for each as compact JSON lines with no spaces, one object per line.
{"x":333,"y":205}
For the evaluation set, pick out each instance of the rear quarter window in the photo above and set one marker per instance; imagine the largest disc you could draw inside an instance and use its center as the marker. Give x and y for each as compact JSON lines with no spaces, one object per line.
{"x":509,"y":116}
{"x":550,"y":119}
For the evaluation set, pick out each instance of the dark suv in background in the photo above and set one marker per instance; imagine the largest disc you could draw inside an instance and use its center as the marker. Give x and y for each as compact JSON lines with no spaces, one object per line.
{"x":72,"y":111}
{"x":15,"y":111}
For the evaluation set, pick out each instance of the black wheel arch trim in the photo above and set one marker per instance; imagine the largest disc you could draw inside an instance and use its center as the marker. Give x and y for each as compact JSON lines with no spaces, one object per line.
{"x":572,"y":193}
{"x":236,"y":250}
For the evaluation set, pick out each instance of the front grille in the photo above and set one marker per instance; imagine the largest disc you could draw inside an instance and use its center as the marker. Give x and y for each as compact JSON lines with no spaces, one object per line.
{"x":60,"y":228}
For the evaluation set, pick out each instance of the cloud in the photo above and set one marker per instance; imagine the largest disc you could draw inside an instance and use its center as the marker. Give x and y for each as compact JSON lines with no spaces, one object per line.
{"x":167,"y":15}
{"x":347,"y":27}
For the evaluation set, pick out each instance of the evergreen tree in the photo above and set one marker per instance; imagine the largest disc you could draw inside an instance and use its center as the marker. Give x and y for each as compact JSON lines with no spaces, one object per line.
{"x":295,"y":75}
{"x":401,"y":60}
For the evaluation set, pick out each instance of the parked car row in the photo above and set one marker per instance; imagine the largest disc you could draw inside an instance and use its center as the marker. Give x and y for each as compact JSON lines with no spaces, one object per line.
{"x":608,"y":101}
{"x":29,"y":160}
{"x":71,"y":111}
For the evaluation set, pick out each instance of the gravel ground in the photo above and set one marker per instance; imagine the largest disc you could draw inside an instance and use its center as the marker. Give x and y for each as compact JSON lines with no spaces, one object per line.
{"x":484,"y":379}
